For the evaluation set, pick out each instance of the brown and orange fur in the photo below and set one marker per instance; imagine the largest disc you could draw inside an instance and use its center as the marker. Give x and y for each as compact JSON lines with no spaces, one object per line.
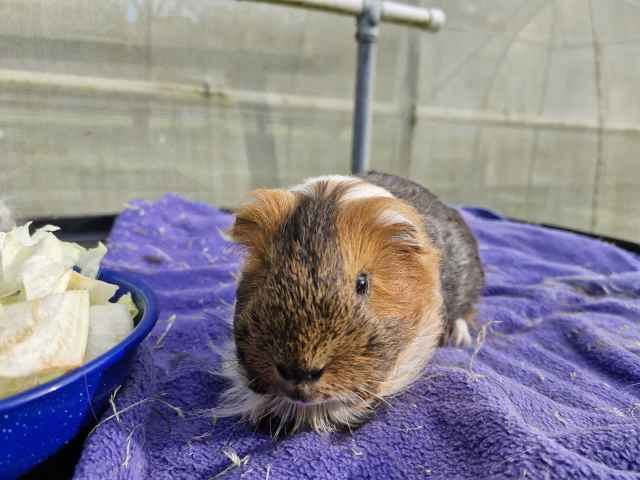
{"x":299,"y":317}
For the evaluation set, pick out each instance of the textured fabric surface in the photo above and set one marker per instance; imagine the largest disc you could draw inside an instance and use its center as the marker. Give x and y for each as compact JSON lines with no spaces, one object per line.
{"x":552,"y":392}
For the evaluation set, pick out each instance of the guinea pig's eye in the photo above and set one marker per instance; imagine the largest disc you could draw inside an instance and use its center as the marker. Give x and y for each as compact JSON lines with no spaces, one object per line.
{"x":362,"y":284}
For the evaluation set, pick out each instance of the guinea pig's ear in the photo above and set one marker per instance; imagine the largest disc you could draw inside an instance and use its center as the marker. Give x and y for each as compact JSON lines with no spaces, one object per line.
{"x":401,"y":225}
{"x":257,"y":222}
{"x":383,"y":223}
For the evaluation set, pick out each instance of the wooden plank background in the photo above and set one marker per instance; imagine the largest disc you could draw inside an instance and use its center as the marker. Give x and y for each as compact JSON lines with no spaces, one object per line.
{"x":529,"y":107}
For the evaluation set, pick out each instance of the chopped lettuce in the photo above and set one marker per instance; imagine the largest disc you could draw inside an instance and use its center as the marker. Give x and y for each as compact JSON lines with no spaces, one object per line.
{"x":57,"y":339}
{"x":89,"y":262}
{"x":108,"y":326}
{"x":127,"y":300}
{"x":53,"y":318}
{"x":42,"y":276}
{"x":17,"y":246}
{"x":12,"y":297}
{"x":17,"y":321}
{"x":100,"y":292}
{"x":71,"y":253}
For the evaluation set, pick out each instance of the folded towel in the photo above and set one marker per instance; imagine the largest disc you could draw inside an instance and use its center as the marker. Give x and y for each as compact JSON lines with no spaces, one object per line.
{"x":551,"y":390}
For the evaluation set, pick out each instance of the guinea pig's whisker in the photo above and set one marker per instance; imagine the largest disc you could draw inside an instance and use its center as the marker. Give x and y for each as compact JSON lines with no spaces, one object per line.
{"x":289,"y":408}
{"x":251,"y":382}
{"x":375,"y":395}
{"x":348,"y":398}
{"x":265,"y":413}
{"x":351,"y":398}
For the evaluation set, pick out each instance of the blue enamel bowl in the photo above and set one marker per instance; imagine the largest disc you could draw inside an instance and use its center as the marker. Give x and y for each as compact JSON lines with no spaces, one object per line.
{"x":37,"y":423}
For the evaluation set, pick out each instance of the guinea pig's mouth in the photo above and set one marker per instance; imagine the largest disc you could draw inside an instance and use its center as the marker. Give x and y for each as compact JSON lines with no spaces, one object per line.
{"x":300,"y":397}
{"x":306,"y":403}
{"x":312,"y":401}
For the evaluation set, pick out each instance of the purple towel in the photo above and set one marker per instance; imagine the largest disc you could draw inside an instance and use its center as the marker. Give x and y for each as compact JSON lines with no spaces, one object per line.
{"x":552,"y":392}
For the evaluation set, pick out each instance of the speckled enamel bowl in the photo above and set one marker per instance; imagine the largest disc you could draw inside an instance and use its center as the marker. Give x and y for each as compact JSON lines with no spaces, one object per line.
{"x":36,"y":423}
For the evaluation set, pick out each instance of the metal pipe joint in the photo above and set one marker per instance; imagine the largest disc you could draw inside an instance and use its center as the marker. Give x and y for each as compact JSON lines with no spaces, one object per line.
{"x":368,"y":21}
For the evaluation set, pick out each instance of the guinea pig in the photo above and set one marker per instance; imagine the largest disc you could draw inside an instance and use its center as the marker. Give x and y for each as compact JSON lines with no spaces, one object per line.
{"x":348,"y":286}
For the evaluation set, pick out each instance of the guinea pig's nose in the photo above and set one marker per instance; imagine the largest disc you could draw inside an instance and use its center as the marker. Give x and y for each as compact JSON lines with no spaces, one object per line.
{"x":294,"y":374}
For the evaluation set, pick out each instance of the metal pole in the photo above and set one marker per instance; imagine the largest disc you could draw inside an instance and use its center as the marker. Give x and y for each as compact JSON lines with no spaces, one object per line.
{"x":392,"y":12}
{"x":369,"y":14}
{"x":367,"y":34}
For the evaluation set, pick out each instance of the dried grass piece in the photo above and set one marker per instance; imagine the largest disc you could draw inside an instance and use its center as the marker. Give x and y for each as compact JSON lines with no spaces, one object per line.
{"x":560,"y":418}
{"x":170,"y":322}
{"x":117,"y":412}
{"x":201,"y":436}
{"x":236,"y":461}
{"x":427,"y":471}
{"x":175,"y":408}
{"x":120,"y":412}
{"x":112,"y":402}
{"x":127,"y":452}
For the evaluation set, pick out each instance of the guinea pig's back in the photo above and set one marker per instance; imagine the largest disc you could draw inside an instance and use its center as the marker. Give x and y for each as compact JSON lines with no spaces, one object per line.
{"x":461,"y":273}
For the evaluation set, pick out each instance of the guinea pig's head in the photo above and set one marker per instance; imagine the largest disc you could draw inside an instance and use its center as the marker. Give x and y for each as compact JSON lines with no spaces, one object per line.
{"x":338,"y":302}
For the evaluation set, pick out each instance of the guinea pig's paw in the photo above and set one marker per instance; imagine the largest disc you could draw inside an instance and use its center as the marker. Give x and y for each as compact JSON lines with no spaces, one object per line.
{"x":460,"y":336}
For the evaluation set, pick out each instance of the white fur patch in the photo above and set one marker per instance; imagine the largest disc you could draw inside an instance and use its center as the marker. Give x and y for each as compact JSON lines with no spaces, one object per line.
{"x":460,"y":335}
{"x":307,"y":187}
{"x":413,"y":359}
{"x":393,"y":217}
{"x":359,"y":188}
{"x":365,"y":190}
